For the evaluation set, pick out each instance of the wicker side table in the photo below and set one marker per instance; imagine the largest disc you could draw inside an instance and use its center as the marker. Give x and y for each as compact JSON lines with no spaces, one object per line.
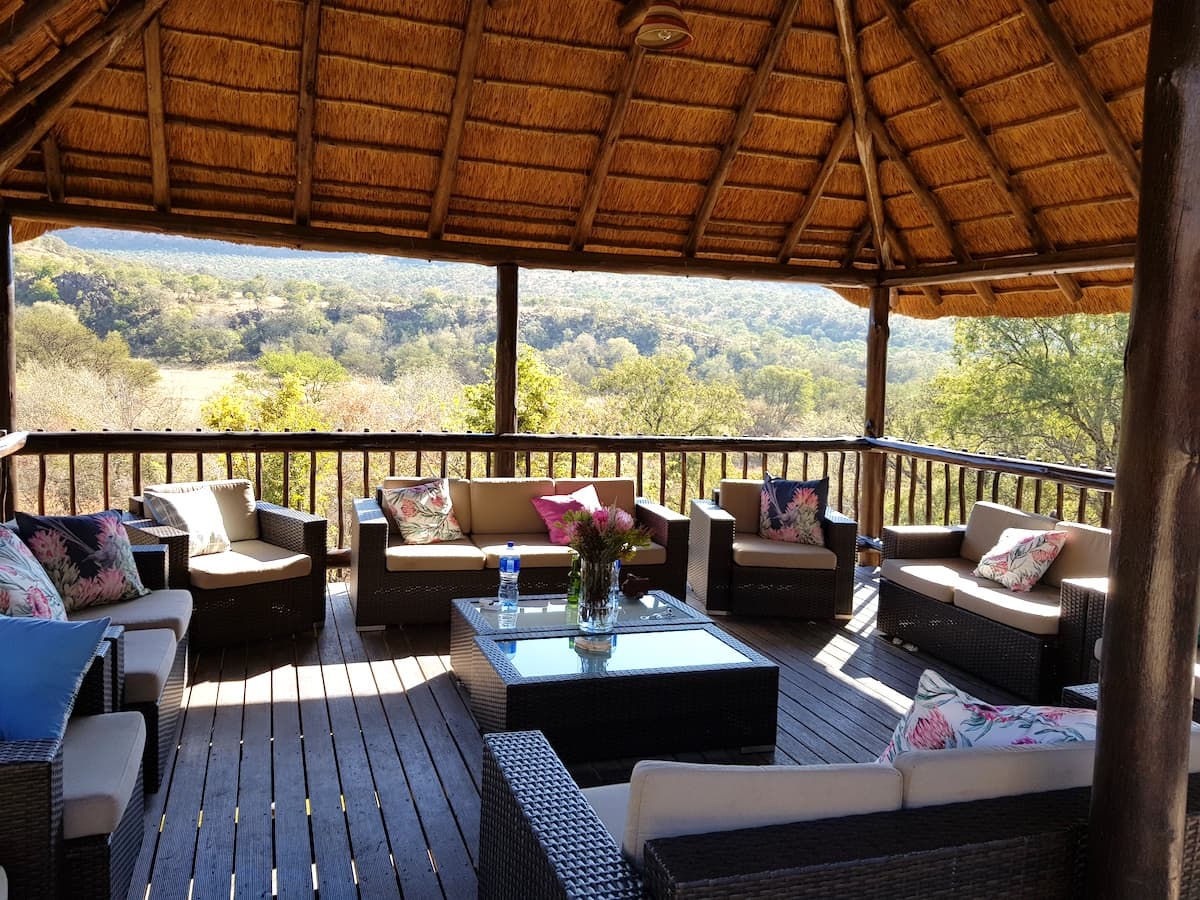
{"x":1081,"y":696}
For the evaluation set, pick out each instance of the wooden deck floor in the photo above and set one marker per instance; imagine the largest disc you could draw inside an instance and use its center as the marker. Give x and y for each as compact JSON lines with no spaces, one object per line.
{"x":348,"y":765}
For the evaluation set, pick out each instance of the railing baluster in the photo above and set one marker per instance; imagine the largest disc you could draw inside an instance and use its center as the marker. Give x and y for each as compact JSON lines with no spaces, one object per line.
{"x":312,"y":482}
{"x":962,"y":494}
{"x":980,"y":476}
{"x":574,"y":464}
{"x":1059,"y":510}
{"x":745,"y":465}
{"x":995,"y":487}
{"x":199,"y":465}
{"x":947,"y":494}
{"x":1081,"y":515}
{"x":170,"y":467}
{"x":784,"y":473}
{"x":703,"y":481}
{"x":41,"y":484}
{"x":841,"y":481}
{"x":724,"y":465}
{"x":287,"y":479}
{"x":641,"y":474}
{"x":72,"y":483}
{"x":804,"y":466}
{"x":662,"y":478}
{"x":912,"y":489}
{"x":928,"y":492}
{"x":341,"y":500}
{"x":443,"y":466}
{"x":683,"y":481}
{"x":1105,"y":508}
{"x":895,"y":486}
{"x":858,"y":461}
{"x":107,"y":476}
{"x":1020,"y":491}
{"x":1037,"y":496}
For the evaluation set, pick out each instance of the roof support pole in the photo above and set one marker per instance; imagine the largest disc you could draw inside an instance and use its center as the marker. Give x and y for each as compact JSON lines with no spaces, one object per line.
{"x":1136,"y":835}
{"x":8,"y":358}
{"x":870,"y":515}
{"x":506,"y":363}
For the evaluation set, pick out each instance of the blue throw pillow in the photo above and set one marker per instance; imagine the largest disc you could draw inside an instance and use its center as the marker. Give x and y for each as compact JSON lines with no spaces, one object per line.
{"x":42,"y":664}
{"x":793,"y":510}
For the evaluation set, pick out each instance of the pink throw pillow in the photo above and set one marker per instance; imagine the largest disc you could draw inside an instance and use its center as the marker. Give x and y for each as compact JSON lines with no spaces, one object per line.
{"x":553,"y":508}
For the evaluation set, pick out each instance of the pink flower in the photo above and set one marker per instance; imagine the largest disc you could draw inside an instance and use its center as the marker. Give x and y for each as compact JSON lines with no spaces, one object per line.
{"x":1024,"y":740}
{"x":5,"y":603}
{"x":624,"y":521}
{"x":804,"y":497}
{"x":932,"y":732}
{"x":988,"y":713}
{"x":49,"y":546}
{"x":39,"y":603}
{"x":408,"y":509}
{"x":600,"y":517}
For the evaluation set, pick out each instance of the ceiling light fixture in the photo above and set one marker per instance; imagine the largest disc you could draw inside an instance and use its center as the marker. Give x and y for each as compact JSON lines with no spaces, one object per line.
{"x":663,"y":27}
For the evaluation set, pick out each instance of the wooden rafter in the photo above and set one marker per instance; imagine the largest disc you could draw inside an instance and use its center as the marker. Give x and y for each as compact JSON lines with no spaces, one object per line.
{"x":975,"y":137}
{"x":306,"y":118}
{"x":608,"y":146}
{"x":745,"y":117}
{"x":863,"y":142}
{"x":40,"y":116}
{"x":1095,"y":110}
{"x":857,"y":243}
{"x":841,"y":139}
{"x":32,"y":15}
{"x":1060,"y":262}
{"x":928,"y":202}
{"x":472,"y":39}
{"x":156,"y":115}
{"x":52,"y":163}
{"x":907,"y":258}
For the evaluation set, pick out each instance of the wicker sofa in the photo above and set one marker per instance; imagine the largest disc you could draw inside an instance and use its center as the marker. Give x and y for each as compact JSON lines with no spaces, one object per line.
{"x":393,"y":583}
{"x":1028,"y":643}
{"x":974,"y":822}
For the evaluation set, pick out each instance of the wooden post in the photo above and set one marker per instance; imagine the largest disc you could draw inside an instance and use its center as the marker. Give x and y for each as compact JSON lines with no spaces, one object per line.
{"x":1136,"y":833}
{"x":871,"y":489}
{"x":506,"y":363}
{"x":8,"y":365}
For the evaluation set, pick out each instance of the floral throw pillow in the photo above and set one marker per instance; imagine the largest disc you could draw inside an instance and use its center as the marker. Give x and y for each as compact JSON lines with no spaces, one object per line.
{"x":422,"y":513}
{"x":88,"y":558}
{"x":1021,"y":557}
{"x":943,"y":717}
{"x":25,"y":588}
{"x":792,"y":510}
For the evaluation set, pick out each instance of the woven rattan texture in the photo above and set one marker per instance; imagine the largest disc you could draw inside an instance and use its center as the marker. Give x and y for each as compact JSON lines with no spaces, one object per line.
{"x":1080,"y":624}
{"x":1087,"y":696}
{"x":100,"y":867}
{"x":538,"y":836}
{"x":96,"y":693}
{"x":710,"y":554}
{"x":31,"y":817}
{"x":924,"y":543}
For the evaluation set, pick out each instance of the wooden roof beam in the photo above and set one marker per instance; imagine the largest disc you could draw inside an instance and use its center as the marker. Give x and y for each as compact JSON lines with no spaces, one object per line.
{"x":855,"y":247}
{"x":472,"y":39}
{"x":745,"y":117}
{"x":975,"y":137}
{"x":156,"y":115}
{"x":841,"y":139}
{"x":52,"y":163}
{"x":1060,"y":262}
{"x":1095,"y":110}
{"x":902,"y":250}
{"x":928,"y":202}
{"x":306,"y":118}
{"x":856,"y":84}
{"x":43,"y":112}
{"x":608,"y":146}
{"x":32,"y":15}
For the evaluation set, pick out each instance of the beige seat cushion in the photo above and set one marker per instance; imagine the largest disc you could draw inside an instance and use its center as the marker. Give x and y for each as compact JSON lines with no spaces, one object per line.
{"x":1084,"y":555}
{"x":460,"y":496}
{"x":101,"y":759}
{"x":936,"y":578}
{"x":235,"y":498}
{"x":651,"y":555}
{"x":148,"y":658}
{"x":535,"y":549}
{"x":752,"y":550}
{"x":500,"y":505}
{"x":1036,"y":611}
{"x":448,"y":556}
{"x":671,"y":798}
{"x":988,"y":520}
{"x":611,"y":491}
{"x":158,"y":609}
{"x":742,"y":499}
{"x":248,"y":562}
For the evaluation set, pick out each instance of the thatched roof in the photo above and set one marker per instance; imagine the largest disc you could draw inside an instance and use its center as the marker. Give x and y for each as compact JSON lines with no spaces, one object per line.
{"x":791,"y":138}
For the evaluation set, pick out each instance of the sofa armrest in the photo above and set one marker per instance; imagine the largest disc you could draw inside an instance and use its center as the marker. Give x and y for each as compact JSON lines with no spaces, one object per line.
{"x":538,"y":835}
{"x":1080,"y":624}
{"x":841,"y":536}
{"x":666,"y":526}
{"x":151,"y":562}
{"x":146,"y":531}
{"x":31,"y":816}
{"x":710,"y":554}
{"x":922,"y":541}
{"x":294,"y":530}
{"x":96,"y":692}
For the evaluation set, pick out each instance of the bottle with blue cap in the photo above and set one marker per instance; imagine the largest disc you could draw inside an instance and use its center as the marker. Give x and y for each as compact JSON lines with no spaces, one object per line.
{"x":510,"y":571}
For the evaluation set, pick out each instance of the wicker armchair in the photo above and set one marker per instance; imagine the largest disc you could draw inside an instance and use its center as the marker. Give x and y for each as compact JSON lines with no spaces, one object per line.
{"x":727,"y":586}
{"x":234,"y":606}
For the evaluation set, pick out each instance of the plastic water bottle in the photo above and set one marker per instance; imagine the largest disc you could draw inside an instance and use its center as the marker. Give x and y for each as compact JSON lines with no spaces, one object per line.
{"x":614,"y":583}
{"x":510,"y":571}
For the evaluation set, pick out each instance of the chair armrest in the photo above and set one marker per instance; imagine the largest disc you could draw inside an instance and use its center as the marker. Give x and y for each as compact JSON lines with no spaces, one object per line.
{"x":368,"y":532}
{"x":95,"y":695}
{"x":151,"y":562}
{"x":538,"y":836}
{"x":710,"y":554}
{"x":294,"y":530}
{"x":137,"y":508}
{"x":31,"y":816}
{"x":146,"y":531}
{"x":841,"y":536}
{"x":922,"y":541}
{"x":1081,"y":622}
{"x":666,"y":526}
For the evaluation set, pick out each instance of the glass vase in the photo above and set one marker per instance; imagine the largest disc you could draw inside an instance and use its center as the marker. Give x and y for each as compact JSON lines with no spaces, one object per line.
{"x":597,"y":614}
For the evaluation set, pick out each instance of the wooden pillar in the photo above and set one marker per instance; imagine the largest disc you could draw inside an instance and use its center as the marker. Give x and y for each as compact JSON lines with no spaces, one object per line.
{"x":871,"y":489}
{"x":1137,"y":818}
{"x":8,"y":365}
{"x":506,"y":362}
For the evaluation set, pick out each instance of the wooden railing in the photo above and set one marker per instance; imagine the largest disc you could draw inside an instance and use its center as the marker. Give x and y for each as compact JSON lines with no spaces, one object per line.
{"x":322,"y":472}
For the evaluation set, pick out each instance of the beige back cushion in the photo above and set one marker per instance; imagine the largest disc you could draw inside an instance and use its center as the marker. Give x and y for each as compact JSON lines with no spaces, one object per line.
{"x":504,"y":505}
{"x":1084,"y":555}
{"x":671,"y":798}
{"x":742,"y":499}
{"x":988,"y":520}
{"x":235,"y":498}
{"x":609,"y":490}
{"x":460,"y":496}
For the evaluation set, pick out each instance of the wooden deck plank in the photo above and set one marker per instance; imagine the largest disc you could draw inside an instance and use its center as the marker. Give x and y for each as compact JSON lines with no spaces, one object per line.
{"x":290,"y":822}
{"x":253,"y":847}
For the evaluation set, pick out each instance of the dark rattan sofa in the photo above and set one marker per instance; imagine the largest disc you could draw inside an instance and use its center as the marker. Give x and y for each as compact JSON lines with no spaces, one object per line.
{"x":396,"y":584}
{"x":1028,"y":643}
{"x":727,"y":560}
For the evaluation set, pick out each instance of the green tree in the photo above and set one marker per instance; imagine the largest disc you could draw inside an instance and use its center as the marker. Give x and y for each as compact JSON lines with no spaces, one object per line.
{"x":779,"y":398}
{"x":51,"y":333}
{"x":540,"y":398}
{"x":316,"y":373}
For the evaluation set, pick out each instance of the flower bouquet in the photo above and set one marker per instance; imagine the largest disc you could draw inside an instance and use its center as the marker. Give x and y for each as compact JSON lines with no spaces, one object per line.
{"x":600,"y":538}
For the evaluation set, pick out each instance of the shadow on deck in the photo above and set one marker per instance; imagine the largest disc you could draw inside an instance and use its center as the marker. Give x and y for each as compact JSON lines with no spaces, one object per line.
{"x":349,"y":764}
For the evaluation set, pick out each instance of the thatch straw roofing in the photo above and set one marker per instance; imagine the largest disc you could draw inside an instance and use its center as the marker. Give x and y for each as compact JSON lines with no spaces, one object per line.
{"x":789,"y":136}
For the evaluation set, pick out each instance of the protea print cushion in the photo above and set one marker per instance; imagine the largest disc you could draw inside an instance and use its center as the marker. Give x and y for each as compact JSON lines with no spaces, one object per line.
{"x":943,"y":717}
{"x":793,"y":510}
{"x":88,"y":558}
{"x":25,"y":588}
{"x":422,"y":513}
{"x":1021,"y":557}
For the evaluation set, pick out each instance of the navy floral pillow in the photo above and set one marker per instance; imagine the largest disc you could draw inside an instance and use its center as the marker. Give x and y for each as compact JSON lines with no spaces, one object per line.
{"x":792,"y":510}
{"x":88,"y":558}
